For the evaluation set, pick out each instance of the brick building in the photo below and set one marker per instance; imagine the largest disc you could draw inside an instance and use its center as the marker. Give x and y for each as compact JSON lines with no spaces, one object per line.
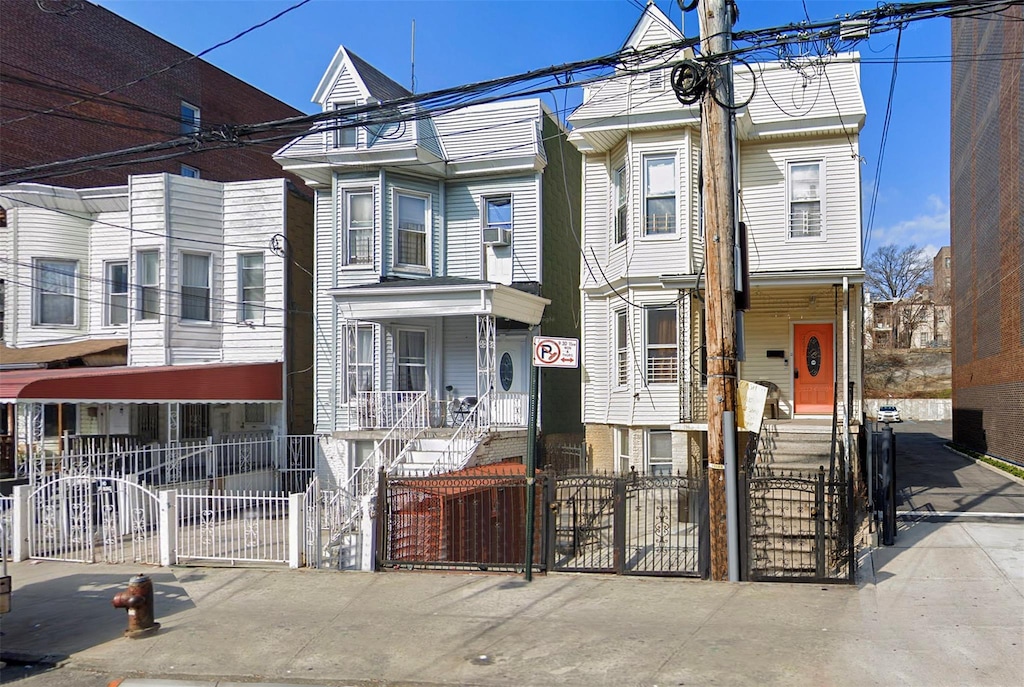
{"x":52,"y":59}
{"x":942,"y":275}
{"x":986,"y":199}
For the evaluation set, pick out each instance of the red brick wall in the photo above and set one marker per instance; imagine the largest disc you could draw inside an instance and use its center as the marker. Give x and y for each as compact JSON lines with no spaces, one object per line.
{"x":986,"y":218}
{"x":48,"y":60}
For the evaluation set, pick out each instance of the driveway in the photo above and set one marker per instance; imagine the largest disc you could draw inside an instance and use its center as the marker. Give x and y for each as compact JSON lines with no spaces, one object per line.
{"x":931,"y":478}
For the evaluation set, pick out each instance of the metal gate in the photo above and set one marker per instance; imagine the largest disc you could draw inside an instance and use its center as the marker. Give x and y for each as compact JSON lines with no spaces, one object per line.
{"x":89,"y":519}
{"x":631,"y":525}
{"x":798,"y":527}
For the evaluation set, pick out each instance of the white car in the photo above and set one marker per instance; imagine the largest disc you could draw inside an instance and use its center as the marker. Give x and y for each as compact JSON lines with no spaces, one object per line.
{"x":889,"y":413}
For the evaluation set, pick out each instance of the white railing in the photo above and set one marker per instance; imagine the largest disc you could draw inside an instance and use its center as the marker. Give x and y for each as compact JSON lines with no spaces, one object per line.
{"x":466,"y":438}
{"x":509,"y":409}
{"x":382,"y":409}
{"x":245,"y":526}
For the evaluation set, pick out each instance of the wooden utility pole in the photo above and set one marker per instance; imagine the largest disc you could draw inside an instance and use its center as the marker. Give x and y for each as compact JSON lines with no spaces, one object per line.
{"x":719,"y":231}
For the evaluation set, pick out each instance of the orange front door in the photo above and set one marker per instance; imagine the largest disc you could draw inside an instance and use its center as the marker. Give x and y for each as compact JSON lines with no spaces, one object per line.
{"x":813,"y":368}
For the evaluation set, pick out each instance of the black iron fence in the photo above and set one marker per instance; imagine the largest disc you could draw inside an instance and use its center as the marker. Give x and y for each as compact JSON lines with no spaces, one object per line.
{"x":629,"y":524}
{"x":798,"y":527}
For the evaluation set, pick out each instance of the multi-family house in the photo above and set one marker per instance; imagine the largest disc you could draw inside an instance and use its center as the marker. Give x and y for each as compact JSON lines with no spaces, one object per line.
{"x":444,"y":243}
{"x":166,"y":310}
{"x":798,"y":172}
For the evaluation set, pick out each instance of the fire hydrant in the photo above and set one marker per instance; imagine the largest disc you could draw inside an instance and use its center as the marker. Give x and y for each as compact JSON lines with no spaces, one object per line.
{"x":138,"y":599}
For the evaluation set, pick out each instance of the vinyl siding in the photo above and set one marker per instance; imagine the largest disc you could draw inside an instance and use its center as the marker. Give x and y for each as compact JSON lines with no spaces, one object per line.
{"x":417,"y":187}
{"x":44,"y":234}
{"x":459,"y":350}
{"x":596,"y":216}
{"x":324,"y":329}
{"x":109,"y":242}
{"x":491,"y":132}
{"x":783,"y":99}
{"x":464,"y":204}
{"x":147,"y":345}
{"x":254,"y":212}
{"x":764,"y":206}
{"x":358,"y":274}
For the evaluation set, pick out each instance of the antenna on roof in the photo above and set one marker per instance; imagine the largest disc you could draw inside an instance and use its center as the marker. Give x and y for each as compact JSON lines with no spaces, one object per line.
{"x":412,"y":59}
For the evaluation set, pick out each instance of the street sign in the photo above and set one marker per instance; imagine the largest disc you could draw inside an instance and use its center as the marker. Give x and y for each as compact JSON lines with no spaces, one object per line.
{"x":554,"y":352}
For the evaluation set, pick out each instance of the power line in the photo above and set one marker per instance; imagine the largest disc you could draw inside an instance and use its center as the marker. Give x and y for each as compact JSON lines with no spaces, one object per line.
{"x":881,"y":147}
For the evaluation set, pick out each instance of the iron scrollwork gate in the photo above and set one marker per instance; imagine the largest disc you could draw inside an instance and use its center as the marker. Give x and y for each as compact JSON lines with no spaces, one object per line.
{"x":88,"y":519}
{"x":631,"y":525}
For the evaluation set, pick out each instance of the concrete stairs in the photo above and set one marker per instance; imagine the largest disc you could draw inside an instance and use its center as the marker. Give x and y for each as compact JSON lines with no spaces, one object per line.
{"x":794,"y":447}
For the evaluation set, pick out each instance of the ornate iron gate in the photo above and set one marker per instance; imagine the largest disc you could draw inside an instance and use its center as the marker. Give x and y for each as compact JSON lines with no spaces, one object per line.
{"x":798,"y":527}
{"x":631,"y":525}
{"x":89,"y":519}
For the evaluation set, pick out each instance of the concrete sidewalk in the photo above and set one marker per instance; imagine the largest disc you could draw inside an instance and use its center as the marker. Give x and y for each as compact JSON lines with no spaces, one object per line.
{"x":943,"y":607}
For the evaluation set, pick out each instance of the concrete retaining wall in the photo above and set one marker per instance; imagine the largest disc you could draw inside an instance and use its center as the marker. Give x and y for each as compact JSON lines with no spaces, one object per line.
{"x":913,"y":408}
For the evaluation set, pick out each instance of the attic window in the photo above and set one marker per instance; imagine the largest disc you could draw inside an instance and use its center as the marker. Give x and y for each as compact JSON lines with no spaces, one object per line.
{"x":344,"y":137}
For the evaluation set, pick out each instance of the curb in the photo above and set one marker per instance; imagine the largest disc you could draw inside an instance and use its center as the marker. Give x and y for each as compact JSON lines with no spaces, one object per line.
{"x":985,"y":465}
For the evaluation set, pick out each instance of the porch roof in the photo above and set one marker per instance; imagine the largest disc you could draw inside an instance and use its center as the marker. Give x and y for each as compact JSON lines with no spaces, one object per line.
{"x":252,"y":382}
{"x":438,"y":297}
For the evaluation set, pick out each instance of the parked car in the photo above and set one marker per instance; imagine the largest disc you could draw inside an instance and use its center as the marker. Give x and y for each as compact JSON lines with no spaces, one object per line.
{"x":889,"y":414}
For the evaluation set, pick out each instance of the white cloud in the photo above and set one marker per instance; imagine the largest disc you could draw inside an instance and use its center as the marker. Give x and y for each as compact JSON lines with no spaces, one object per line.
{"x":929,"y":228}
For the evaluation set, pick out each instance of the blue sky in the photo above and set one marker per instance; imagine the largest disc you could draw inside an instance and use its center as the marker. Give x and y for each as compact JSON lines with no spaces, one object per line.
{"x":472,"y":40}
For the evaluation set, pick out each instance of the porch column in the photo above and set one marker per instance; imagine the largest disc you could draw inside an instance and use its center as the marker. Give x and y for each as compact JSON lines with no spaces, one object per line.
{"x":684,"y":350}
{"x":173,"y":425}
{"x":485,"y":354}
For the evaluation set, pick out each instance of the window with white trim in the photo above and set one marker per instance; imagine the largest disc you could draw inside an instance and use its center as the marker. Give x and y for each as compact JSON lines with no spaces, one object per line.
{"x":252,"y":292}
{"x":659,"y":195}
{"x":412,"y":360}
{"x":806,"y":183}
{"x":55,"y":292}
{"x":662,"y":345}
{"x":621,"y":184}
{"x":358,"y":237}
{"x":345,"y":137}
{"x":116,"y":286}
{"x":498,"y":219}
{"x":622,"y":450}
{"x":147,"y":306}
{"x":189,"y":118}
{"x":621,"y":348}
{"x":411,"y":241}
{"x":659,"y":452}
{"x":195,"y":287}
{"x":359,"y":351}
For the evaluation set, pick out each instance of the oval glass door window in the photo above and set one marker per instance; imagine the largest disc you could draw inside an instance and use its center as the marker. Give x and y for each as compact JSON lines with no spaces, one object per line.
{"x":813,"y":356}
{"x":505,"y":371}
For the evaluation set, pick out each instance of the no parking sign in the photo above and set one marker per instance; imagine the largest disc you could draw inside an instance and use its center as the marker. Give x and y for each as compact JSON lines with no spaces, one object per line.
{"x":549,"y":351}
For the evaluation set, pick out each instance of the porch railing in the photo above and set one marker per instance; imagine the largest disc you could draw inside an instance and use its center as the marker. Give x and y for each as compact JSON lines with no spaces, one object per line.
{"x":466,"y":438}
{"x":509,"y":409}
{"x":382,"y":409}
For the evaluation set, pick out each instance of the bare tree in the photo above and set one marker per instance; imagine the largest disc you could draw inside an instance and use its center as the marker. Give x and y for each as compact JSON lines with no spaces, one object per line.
{"x":899,"y":274}
{"x":895,"y":273}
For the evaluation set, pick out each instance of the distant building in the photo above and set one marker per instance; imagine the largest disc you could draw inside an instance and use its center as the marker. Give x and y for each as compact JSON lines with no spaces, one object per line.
{"x":986,"y":206}
{"x":921,"y":321}
{"x":942,"y":273}
{"x":57,"y":68}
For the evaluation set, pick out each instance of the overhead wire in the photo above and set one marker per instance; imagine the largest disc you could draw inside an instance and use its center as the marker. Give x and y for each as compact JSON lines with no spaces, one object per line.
{"x":881,"y":147}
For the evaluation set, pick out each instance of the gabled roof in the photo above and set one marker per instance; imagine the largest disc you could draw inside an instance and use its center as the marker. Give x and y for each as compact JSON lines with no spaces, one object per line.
{"x":653,"y":27}
{"x":372,"y":83}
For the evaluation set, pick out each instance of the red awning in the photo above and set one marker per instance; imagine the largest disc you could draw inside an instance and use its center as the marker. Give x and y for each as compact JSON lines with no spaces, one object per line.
{"x":189,"y":383}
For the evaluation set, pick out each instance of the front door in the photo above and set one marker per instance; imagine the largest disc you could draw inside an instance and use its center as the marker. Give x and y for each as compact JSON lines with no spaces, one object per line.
{"x":511,"y":381}
{"x":813,"y":368}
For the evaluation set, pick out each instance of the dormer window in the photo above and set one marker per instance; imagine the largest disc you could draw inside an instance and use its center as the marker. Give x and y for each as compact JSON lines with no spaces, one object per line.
{"x":344,"y":137}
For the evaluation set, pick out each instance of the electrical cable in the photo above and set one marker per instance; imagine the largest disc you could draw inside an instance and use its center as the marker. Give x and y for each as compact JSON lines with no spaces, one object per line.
{"x":881,"y":146}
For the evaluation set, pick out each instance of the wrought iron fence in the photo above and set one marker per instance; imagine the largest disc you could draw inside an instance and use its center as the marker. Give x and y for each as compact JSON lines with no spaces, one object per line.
{"x":247,"y":526}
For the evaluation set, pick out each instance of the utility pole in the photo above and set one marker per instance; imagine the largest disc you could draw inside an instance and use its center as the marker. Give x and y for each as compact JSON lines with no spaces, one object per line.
{"x":716,"y":20}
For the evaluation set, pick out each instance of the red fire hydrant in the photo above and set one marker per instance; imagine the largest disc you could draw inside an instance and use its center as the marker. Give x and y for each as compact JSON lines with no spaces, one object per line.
{"x":138,"y":599}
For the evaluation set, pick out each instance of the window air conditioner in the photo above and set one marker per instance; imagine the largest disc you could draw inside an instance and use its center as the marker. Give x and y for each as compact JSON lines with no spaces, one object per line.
{"x":497,"y":236}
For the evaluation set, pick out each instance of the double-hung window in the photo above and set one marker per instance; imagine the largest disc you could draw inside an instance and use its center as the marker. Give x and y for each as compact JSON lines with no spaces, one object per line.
{"x":189,"y":118}
{"x":806,"y":183}
{"x":195,"y":287}
{"x":412,"y":231}
{"x":251,"y":287}
{"x":55,"y":291}
{"x":621,"y":348}
{"x":116,"y":285}
{"x":662,"y":345}
{"x":359,"y":227}
{"x":498,"y":220}
{"x":622,"y":450}
{"x":659,"y":452}
{"x":345,"y":137}
{"x":412,"y":360}
{"x":359,"y":359}
{"x":148,"y":292}
{"x":621,"y":203}
{"x":659,"y":195}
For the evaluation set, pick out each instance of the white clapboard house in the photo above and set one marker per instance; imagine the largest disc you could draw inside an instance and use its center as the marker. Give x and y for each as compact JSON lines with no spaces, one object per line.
{"x":165,"y":311}
{"x":443,"y":244}
{"x":644,"y":384}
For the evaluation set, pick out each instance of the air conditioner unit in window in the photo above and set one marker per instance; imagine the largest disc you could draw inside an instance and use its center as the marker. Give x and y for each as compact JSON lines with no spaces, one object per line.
{"x":497,"y":236}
